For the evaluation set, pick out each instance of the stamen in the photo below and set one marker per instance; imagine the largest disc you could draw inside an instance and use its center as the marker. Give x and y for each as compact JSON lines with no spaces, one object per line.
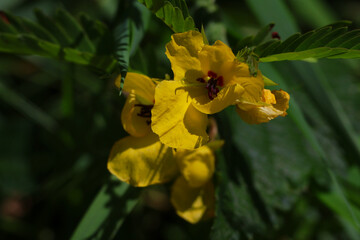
{"x":145,"y":111}
{"x":211,"y":74}
{"x":220,"y":81}
{"x":212,"y":82}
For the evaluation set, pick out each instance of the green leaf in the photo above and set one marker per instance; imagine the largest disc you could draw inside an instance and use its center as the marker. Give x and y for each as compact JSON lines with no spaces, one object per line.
{"x":128,"y":35}
{"x":269,"y":82}
{"x":122,"y":41}
{"x":53,"y":27}
{"x":332,"y":41}
{"x":206,"y":41}
{"x":27,"y":27}
{"x":173,"y":13}
{"x":239,"y":208}
{"x":335,"y":203}
{"x":262,"y":34}
{"x":28,"y":45}
{"x":107,"y":212}
{"x":78,"y":37}
{"x":257,"y":39}
{"x":53,"y":38}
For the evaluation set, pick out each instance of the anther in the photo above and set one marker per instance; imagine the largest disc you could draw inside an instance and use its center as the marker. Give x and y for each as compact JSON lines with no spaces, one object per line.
{"x":145,"y":111}
{"x":220,"y":81}
{"x":211,"y":74}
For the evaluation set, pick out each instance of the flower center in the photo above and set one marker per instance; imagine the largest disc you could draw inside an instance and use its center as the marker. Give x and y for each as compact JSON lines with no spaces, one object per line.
{"x":213,"y":82}
{"x":145,"y":111}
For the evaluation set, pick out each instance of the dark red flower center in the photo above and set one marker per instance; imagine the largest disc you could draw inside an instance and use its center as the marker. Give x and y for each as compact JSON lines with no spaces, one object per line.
{"x":213,"y":82}
{"x":145,"y":111}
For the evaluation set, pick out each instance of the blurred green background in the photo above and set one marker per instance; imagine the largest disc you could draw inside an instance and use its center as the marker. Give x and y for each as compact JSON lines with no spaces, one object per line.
{"x":58,"y":122}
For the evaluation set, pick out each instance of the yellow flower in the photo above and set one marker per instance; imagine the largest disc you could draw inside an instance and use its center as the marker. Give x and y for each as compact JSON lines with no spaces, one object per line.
{"x":207,"y":79}
{"x":140,"y":159}
{"x":273,"y":104}
{"x":143,"y":161}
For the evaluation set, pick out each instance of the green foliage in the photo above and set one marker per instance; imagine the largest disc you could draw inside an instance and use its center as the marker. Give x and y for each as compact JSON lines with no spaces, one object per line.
{"x":61,"y":38}
{"x":173,"y":13}
{"x":107,"y":212}
{"x":127,"y":35}
{"x":251,"y":41}
{"x":291,"y":178}
{"x":334,"y":201}
{"x":332,"y":41}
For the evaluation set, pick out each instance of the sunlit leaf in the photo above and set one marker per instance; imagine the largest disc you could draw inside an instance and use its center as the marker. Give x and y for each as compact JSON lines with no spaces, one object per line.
{"x":173,"y":13}
{"x":332,"y":41}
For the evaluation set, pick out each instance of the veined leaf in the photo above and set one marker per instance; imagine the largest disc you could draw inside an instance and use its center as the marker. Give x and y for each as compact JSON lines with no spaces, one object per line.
{"x":29,"y":45}
{"x":53,"y":27}
{"x":332,"y":41}
{"x":63,"y":38}
{"x":128,"y":34}
{"x":78,"y":36}
{"x":122,"y":42}
{"x":173,"y":13}
{"x":257,"y":39}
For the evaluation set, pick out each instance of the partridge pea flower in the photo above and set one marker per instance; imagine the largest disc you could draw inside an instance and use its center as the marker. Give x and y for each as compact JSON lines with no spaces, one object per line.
{"x":140,"y":159}
{"x":144,"y":160}
{"x":207,"y":79}
{"x":273,"y":104}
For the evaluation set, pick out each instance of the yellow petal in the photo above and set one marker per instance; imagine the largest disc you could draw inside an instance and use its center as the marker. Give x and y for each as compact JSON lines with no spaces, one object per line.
{"x":253,"y":87}
{"x":132,"y":123}
{"x":175,"y":120}
{"x":197,"y":166}
{"x":215,"y":144}
{"x":192,"y":204}
{"x":182,"y":52}
{"x":227,"y":96}
{"x":142,"y":161}
{"x":142,"y":85}
{"x":219,"y":59}
{"x":275,"y":104}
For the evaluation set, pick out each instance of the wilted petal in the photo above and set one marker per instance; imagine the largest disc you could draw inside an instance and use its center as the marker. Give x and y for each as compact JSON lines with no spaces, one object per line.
{"x":192,"y":204}
{"x":142,"y":161}
{"x":274,"y":104}
{"x":282,"y":101}
{"x":175,"y":120}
